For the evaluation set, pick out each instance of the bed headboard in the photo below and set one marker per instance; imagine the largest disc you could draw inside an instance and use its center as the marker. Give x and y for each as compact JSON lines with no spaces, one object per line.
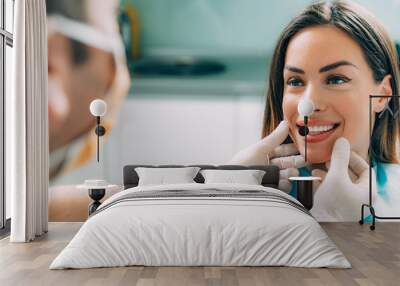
{"x":270,"y":179}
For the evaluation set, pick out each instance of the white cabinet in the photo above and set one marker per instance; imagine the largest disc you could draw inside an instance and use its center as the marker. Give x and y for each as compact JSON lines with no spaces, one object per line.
{"x":196,"y":129}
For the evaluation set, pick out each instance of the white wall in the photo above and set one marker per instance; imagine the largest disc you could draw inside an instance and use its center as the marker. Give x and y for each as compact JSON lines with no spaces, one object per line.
{"x":173,"y":131}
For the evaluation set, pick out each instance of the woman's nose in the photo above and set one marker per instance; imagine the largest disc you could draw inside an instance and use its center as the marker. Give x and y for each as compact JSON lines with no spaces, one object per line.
{"x":316,"y":96}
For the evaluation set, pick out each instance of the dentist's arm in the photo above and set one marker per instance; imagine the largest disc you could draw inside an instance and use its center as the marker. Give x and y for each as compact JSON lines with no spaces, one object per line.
{"x":341,"y":193}
{"x":270,"y":151}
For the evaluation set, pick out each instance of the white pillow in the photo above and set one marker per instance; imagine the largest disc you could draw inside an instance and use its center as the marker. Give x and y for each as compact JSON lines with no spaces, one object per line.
{"x":248,"y":177}
{"x":164,"y":176}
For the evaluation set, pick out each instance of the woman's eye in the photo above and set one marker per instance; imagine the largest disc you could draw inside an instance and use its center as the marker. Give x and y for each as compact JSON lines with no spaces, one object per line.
{"x":337,"y":80}
{"x":294,"y":82}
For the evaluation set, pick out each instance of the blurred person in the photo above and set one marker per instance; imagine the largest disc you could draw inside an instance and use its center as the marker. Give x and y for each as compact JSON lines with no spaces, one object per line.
{"x":85,"y":61}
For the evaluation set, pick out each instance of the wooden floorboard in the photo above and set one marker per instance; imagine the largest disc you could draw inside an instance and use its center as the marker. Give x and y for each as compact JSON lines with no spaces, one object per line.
{"x":374,"y":255}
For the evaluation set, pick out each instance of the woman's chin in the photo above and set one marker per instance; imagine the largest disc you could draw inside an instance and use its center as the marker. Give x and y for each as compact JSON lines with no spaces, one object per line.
{"x":317,"y":157}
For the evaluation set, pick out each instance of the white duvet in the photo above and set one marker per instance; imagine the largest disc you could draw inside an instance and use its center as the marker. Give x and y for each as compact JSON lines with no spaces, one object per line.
{"x":200,"y":231}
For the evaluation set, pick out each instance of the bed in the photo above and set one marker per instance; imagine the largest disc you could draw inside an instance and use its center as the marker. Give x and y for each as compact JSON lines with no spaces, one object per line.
{"x":201,"y":224}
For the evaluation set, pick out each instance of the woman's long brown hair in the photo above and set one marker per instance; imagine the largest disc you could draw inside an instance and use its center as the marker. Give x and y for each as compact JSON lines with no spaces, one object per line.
{"x":379,"y":52}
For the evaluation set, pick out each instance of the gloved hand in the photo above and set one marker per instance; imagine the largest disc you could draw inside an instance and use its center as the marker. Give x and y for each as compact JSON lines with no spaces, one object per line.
{"x":270,"y":151}
{"x":344,"y":187}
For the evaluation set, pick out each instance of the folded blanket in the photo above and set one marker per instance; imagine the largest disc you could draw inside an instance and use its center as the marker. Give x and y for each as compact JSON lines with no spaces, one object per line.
{"x":205,"y":193}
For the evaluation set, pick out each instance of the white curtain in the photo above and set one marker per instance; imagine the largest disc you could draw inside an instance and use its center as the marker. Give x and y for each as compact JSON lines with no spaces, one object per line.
{"x":27,"y":152}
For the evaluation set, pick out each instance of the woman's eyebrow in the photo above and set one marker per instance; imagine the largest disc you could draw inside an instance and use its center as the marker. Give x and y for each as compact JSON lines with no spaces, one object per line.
{"x":294,"y":69}
{"x":323,"y":69}
{"x":335,"y":65}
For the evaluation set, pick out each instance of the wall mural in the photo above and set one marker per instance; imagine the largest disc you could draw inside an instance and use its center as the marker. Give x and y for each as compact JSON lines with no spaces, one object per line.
{"x":298,"y":98}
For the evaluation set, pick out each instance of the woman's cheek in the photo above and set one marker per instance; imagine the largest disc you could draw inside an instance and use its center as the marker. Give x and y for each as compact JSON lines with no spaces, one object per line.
{"x":357,"y":134}
{"x":289,"y":107}
{"x":355,"y":124}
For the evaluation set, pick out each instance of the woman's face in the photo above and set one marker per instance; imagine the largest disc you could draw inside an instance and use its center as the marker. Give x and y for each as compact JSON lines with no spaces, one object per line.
{"x":328,"y":67}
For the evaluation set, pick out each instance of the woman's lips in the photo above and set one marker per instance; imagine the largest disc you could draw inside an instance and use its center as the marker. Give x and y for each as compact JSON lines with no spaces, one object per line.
{"x":319,"y":129}
{"x":315,"y":138}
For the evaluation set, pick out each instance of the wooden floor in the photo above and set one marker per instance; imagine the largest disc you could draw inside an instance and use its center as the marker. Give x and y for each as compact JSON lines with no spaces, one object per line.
{"x":375,"y":257}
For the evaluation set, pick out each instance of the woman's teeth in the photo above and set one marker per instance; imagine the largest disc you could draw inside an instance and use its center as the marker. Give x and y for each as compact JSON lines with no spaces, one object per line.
{"x":318,"y":129}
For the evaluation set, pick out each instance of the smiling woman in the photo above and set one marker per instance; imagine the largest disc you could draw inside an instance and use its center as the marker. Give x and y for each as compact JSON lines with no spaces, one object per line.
{"x":336,"y":54}
{"x":330,"y":69}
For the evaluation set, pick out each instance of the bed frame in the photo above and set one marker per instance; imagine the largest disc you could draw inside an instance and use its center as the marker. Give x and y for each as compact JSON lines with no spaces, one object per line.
{"x":270,"y":179}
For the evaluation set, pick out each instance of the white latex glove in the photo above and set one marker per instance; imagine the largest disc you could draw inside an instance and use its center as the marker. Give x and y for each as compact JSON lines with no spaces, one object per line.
{"x":341,"y":193}
{"x":270,"y":151}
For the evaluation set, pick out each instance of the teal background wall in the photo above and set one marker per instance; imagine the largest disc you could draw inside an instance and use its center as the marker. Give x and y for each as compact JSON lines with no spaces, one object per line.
{"x":230,"y":26}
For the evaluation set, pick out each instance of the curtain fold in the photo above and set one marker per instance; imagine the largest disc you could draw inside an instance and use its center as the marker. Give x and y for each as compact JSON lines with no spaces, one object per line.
{"x":27,"y":154}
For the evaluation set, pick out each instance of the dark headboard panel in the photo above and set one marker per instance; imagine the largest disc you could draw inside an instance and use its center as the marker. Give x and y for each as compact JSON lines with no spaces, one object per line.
{"x":271,"y":177}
